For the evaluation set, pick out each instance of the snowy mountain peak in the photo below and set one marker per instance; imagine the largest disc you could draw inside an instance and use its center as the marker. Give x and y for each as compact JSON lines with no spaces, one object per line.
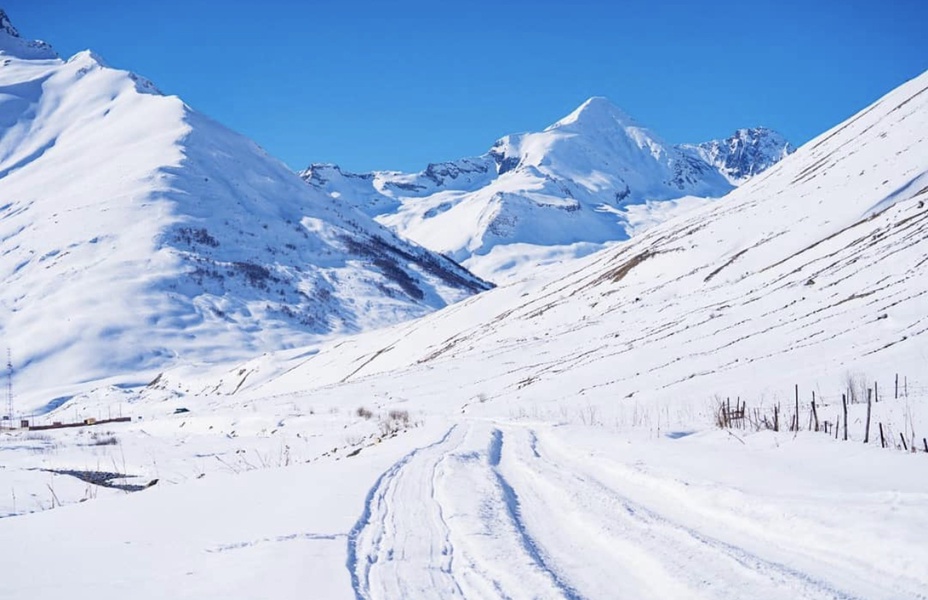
{"x":760,"y":137}
{"x":596,"y":112}
{"x":11,"y":44}
{"x":89,"y":58}
{"x":745,"y":153}
{"x":585,"y":181}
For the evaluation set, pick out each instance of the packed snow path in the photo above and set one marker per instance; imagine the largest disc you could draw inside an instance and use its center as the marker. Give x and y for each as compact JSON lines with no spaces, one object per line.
{"x":505,"y":511}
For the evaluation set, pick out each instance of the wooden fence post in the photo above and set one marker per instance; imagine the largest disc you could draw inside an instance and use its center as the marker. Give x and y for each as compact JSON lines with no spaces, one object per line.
{"x":882,"y":439}
{"x":797,"y":407}
{"x":904,"y":446}
{"x":867,"y":430}
{"x":844,"y":400}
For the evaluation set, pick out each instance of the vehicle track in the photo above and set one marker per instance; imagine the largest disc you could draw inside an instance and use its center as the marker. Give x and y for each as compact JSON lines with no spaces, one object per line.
{"x":501,"y":511}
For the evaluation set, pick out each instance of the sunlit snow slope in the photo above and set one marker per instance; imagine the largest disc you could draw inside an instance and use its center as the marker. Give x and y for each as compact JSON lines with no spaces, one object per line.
{"x":134,"y":231}
{"x":536,"y":198}
{"x":814,"y":268}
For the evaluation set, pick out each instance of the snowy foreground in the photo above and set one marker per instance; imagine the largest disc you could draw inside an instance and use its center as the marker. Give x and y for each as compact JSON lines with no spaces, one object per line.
{"x":489,"y":508}
{"x":554,"y":438}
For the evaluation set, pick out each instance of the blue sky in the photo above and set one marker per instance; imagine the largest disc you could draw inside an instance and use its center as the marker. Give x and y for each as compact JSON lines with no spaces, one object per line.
{"x":394,"y":85}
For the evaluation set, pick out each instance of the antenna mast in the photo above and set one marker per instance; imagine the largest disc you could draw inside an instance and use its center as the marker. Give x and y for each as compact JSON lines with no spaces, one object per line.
{"x":9,"y":383}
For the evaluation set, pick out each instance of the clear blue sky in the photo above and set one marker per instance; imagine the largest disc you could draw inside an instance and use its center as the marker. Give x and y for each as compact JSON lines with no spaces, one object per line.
{"x":380,"y":84}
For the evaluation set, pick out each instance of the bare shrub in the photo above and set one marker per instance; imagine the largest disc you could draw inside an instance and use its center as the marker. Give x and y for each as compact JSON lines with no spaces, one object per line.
{"x":857,"y":386}
{"x":588,"y":415}
{"x":364,"y":413}
{"x":107,"y":439}
{"x":395,"y":421}
{"x":43,"y":442}
{"x":400,"y":416}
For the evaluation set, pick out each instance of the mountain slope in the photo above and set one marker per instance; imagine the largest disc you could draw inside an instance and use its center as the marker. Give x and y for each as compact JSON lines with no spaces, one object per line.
{"x":815,"y":269}
{"x":538,"y":197}
{"x":135,"y":232}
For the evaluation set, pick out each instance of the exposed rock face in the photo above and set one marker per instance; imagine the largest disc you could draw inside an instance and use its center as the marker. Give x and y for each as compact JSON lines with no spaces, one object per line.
{"x":746,"y":153}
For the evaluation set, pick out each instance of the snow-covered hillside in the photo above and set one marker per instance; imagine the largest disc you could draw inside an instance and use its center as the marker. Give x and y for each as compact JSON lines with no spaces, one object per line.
{"x":537,"y":198}
{"x":814,"y":268}
{"x":135,"y":232}
{"x":549,"y":439}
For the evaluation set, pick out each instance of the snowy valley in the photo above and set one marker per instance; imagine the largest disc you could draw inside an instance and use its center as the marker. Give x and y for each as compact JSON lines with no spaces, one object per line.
{"x":417,"y":434}
{"x":535,"y":199}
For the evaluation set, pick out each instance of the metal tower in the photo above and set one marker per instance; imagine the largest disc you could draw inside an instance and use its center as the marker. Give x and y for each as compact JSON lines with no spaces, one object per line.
{"x":9,"y":384}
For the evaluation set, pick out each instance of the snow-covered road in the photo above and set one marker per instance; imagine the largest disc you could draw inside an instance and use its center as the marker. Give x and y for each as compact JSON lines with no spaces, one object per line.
{"x":489,"y":507}
{"x":496,"y":510}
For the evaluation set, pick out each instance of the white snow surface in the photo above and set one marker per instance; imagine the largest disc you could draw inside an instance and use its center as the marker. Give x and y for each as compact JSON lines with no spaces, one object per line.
{"x":567,"y":190}
{"x":135,"y":233}
{"x":551,"y":438}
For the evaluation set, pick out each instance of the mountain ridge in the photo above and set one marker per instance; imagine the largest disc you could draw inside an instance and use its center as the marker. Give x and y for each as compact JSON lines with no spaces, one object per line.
{"x":559,"y":192}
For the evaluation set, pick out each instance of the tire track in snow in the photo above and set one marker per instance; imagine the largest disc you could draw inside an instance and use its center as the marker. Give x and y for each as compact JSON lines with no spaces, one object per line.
{"x":518,"y":518}
{"x":444,"y":522}
{"x":514,"y":509}
{"x":685,"y":552}
{"x":378,"y":510}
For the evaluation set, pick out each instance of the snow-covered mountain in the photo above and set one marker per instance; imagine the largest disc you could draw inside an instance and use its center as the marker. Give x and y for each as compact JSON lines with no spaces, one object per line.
{"x":135,"y":232}
{"x":745,"y":154}
{"x":11,"y":43}
{"x":816,"y":267}
{"x":561,"y":440}
{"x":553,"y":438}
{"x":565,"y":191}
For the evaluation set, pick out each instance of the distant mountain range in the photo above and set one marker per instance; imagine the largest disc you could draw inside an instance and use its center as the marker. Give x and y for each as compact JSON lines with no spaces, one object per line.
{"x":538,"y":197}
